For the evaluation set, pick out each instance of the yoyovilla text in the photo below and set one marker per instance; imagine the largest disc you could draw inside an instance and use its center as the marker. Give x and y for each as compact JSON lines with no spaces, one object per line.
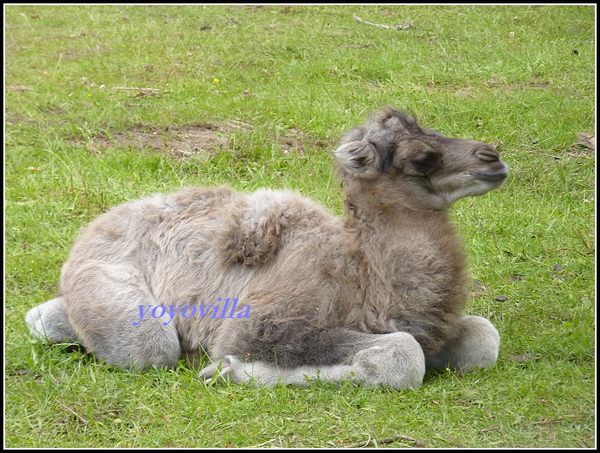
{"x":187,"y":311}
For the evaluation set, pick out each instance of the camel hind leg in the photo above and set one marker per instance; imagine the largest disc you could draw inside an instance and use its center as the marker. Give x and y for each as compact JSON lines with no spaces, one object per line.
{"x":103,"y":303}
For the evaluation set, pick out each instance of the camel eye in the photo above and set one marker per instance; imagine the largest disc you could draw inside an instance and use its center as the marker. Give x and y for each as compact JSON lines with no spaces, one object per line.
{"x":426,"y":163}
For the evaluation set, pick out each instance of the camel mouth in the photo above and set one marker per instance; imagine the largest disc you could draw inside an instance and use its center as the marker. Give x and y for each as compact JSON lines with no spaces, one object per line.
{"x":492,"y":176}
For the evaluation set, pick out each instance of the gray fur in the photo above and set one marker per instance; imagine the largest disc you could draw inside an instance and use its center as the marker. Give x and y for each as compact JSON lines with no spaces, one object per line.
{"x":375,"y":297}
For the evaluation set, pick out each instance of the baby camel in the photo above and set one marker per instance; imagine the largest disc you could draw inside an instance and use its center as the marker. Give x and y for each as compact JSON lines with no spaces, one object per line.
{"x":374,"y":298}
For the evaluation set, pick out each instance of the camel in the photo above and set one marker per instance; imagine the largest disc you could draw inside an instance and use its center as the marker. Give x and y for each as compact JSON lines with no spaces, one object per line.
{"x":375,"y":297}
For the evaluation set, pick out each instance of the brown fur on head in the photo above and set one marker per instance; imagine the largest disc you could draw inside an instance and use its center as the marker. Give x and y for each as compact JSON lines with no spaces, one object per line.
{"x":403,"y":164}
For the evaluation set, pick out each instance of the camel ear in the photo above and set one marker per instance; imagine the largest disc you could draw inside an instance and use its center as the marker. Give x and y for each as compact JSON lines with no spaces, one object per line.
{"x":359,"y":159}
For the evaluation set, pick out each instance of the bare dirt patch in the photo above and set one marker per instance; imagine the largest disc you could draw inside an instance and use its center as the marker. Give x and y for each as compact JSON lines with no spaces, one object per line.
{"x":192,"y":140}
{"x":179,"y":141}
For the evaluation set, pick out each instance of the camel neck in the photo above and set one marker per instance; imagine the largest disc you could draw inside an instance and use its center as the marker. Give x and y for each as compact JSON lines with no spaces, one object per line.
{"x":412,"y":262}
{"x":366,"y":209}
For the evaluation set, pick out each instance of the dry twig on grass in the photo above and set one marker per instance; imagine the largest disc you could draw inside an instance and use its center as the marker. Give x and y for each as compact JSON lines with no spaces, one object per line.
{"x":386,"y":440}
{"x":141,"y":92}
{"x":406,"y":25}
{"x":15,"y":88}
{"x":549,"y":421}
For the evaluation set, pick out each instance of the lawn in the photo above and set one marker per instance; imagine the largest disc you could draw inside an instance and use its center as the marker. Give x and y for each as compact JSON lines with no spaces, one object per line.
{"x":104,"y":104}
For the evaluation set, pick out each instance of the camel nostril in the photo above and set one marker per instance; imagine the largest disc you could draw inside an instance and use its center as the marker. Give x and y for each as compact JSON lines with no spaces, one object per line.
{"x":487,"y":155}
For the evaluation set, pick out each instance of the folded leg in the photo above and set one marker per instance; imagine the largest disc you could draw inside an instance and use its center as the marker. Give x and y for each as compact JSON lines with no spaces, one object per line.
{"x":394,"y":359}
{"x":103,"y":302}
{"x":474,"y":345}
{"x":49,"y":321}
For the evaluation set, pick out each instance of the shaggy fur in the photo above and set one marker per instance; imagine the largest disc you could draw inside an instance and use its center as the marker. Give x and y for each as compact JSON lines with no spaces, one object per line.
{"x":375,"y":297}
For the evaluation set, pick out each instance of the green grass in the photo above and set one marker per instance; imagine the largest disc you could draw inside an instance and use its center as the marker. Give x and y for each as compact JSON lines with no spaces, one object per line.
{"x":295,"y":78}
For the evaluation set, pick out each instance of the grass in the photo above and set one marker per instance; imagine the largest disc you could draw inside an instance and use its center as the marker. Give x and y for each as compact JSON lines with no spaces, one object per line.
{"x":278,"y":85}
